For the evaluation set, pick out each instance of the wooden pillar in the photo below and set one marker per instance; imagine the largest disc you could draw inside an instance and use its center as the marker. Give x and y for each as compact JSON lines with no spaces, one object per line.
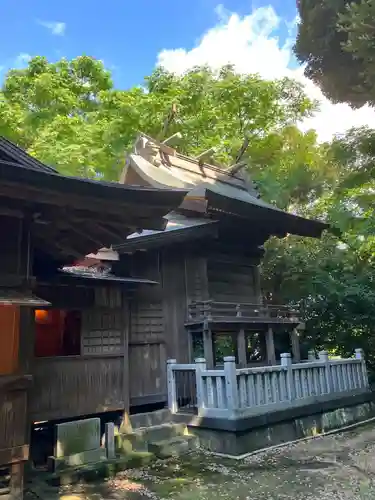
{"x":294,"y":340}
{"x":257,"y":285}
{"x":208,"y":348}
{"x":271,"y":356}
{"x":16,"y":481}
{"x":241,"y":348}
{"x":190,"y":345}
{"x":125,"y":425}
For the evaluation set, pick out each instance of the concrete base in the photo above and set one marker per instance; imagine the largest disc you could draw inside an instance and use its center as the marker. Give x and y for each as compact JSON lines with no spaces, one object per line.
{"x":279,"y":430}
{"x":78,"y":459}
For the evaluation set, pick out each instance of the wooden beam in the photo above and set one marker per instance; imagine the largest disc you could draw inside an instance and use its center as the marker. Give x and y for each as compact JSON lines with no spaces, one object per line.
{"x":87,"y":203}
{"x":111,"y":233}
{"x":14,"y":455}
{"x":50,"y":240}
{"x":173,"y":138}
{"x":294,"y":340}
{"x":82,"y":232}
{"x":208,"y":348}
{"x":19,"y":214}
{"x":241,"y":348}
{"x":271,"y":356}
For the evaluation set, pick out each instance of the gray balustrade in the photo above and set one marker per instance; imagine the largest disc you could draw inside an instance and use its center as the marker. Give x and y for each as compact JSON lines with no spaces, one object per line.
{"x":235,"y":393}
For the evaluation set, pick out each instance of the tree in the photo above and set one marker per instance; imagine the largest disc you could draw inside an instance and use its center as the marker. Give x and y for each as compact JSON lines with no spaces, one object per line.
{"x":336,"y":42}
{"x":332,"y":280}
{"x":69,"y":114}
{"x":55,"y":112}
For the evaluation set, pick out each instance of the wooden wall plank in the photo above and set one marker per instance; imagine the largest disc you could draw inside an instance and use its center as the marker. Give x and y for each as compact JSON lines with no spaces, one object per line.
{"x":231,"y":279}
{"x":175,"y":304}
{"x":147,"y":364}
{"x":74,"y":386}
{"x":195,"y":273}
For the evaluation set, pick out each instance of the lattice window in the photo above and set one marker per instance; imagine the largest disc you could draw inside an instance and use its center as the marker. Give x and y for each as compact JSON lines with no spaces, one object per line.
{"x":102,"y":332}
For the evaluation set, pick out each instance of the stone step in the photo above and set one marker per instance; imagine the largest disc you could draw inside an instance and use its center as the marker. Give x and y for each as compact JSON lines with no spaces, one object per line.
{"x":139,"y":439}
{"x":162,"y":432}
{"x":173,"y":447}
{"x":150,"y":419}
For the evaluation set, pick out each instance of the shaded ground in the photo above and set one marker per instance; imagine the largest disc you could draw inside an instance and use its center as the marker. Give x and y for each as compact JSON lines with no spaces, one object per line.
{"x":336,"y":467}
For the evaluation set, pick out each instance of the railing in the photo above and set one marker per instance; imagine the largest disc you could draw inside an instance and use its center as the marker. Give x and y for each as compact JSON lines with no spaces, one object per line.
{"x":235,"y":393}
{"x":186,"y":389}
{"x":211,"y":310}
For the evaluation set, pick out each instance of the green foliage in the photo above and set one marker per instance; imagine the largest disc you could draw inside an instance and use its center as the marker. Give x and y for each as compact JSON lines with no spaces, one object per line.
{"x":336,"y":42}
{"x":69,"y":115}
{"x":332,"y":280}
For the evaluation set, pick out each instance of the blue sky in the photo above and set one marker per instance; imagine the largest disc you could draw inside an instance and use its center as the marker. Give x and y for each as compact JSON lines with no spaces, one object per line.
{"x":127,"y":35}
{"x":132,"y":36}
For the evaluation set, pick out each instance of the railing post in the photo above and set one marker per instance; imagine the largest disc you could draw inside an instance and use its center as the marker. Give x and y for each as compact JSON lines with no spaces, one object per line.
{"x":208,"y":311}
{"x":200,"y":366}
{"x":110,"y":440}
{"x":323,"y":357}
{"x":286,"y":361}
{"x":231,"y":383}
{"x":238,"y":310}
{"x":359,"y":354}
{"x":311,"y":355}
{"x":171,"y":383}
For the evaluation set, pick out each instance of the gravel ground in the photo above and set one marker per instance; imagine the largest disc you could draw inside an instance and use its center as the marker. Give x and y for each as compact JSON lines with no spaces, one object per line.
{"x":340,"y":466}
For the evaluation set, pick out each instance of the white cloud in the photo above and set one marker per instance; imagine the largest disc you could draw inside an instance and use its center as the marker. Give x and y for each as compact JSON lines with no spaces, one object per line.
{"x":251,"y":44}
{"x":56,"y":28}
{"x":22,"y":59}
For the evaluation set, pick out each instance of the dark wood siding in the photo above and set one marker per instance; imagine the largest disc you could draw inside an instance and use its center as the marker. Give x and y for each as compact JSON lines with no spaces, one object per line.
{"x":13,"y":424}
{"x":73,"y":386}
{"x":95,"y":381}
{"x":196,"y":277}
{"x":147,"y":356}
{"x":232,"y":278}
{"x":175,"y":304}
{"x":15,"y":250}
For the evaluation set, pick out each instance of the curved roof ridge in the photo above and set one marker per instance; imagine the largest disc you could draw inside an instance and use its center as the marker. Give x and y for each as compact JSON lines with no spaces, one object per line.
{"x":18,"y":155}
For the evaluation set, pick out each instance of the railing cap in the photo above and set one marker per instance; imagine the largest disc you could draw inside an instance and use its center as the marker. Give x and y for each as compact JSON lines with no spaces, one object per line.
{"x":200,"y":360}
{"x":285,"y":355}
{"x":229,"y":359}
{"x":171,"y":361}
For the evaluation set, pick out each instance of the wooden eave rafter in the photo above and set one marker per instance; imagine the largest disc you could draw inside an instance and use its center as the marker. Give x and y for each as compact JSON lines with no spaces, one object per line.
{"x":88,"y":207}
{"x":70,"y":229}
{"x":142,"y":243}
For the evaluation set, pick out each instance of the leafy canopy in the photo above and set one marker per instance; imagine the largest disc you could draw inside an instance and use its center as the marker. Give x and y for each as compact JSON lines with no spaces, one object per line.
{"x":332,"y":280}
{"x":69,"y":114}
{"x":336,"y":42}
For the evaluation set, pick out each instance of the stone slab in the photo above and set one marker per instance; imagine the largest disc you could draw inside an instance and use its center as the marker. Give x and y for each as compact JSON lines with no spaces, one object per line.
{"x":77,"y":437}
{"x":78,"y":459}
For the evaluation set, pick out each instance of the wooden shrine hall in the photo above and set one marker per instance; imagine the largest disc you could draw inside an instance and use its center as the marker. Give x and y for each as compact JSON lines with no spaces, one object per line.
{"x":209,"y":302}
{"x":63,"y":342}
